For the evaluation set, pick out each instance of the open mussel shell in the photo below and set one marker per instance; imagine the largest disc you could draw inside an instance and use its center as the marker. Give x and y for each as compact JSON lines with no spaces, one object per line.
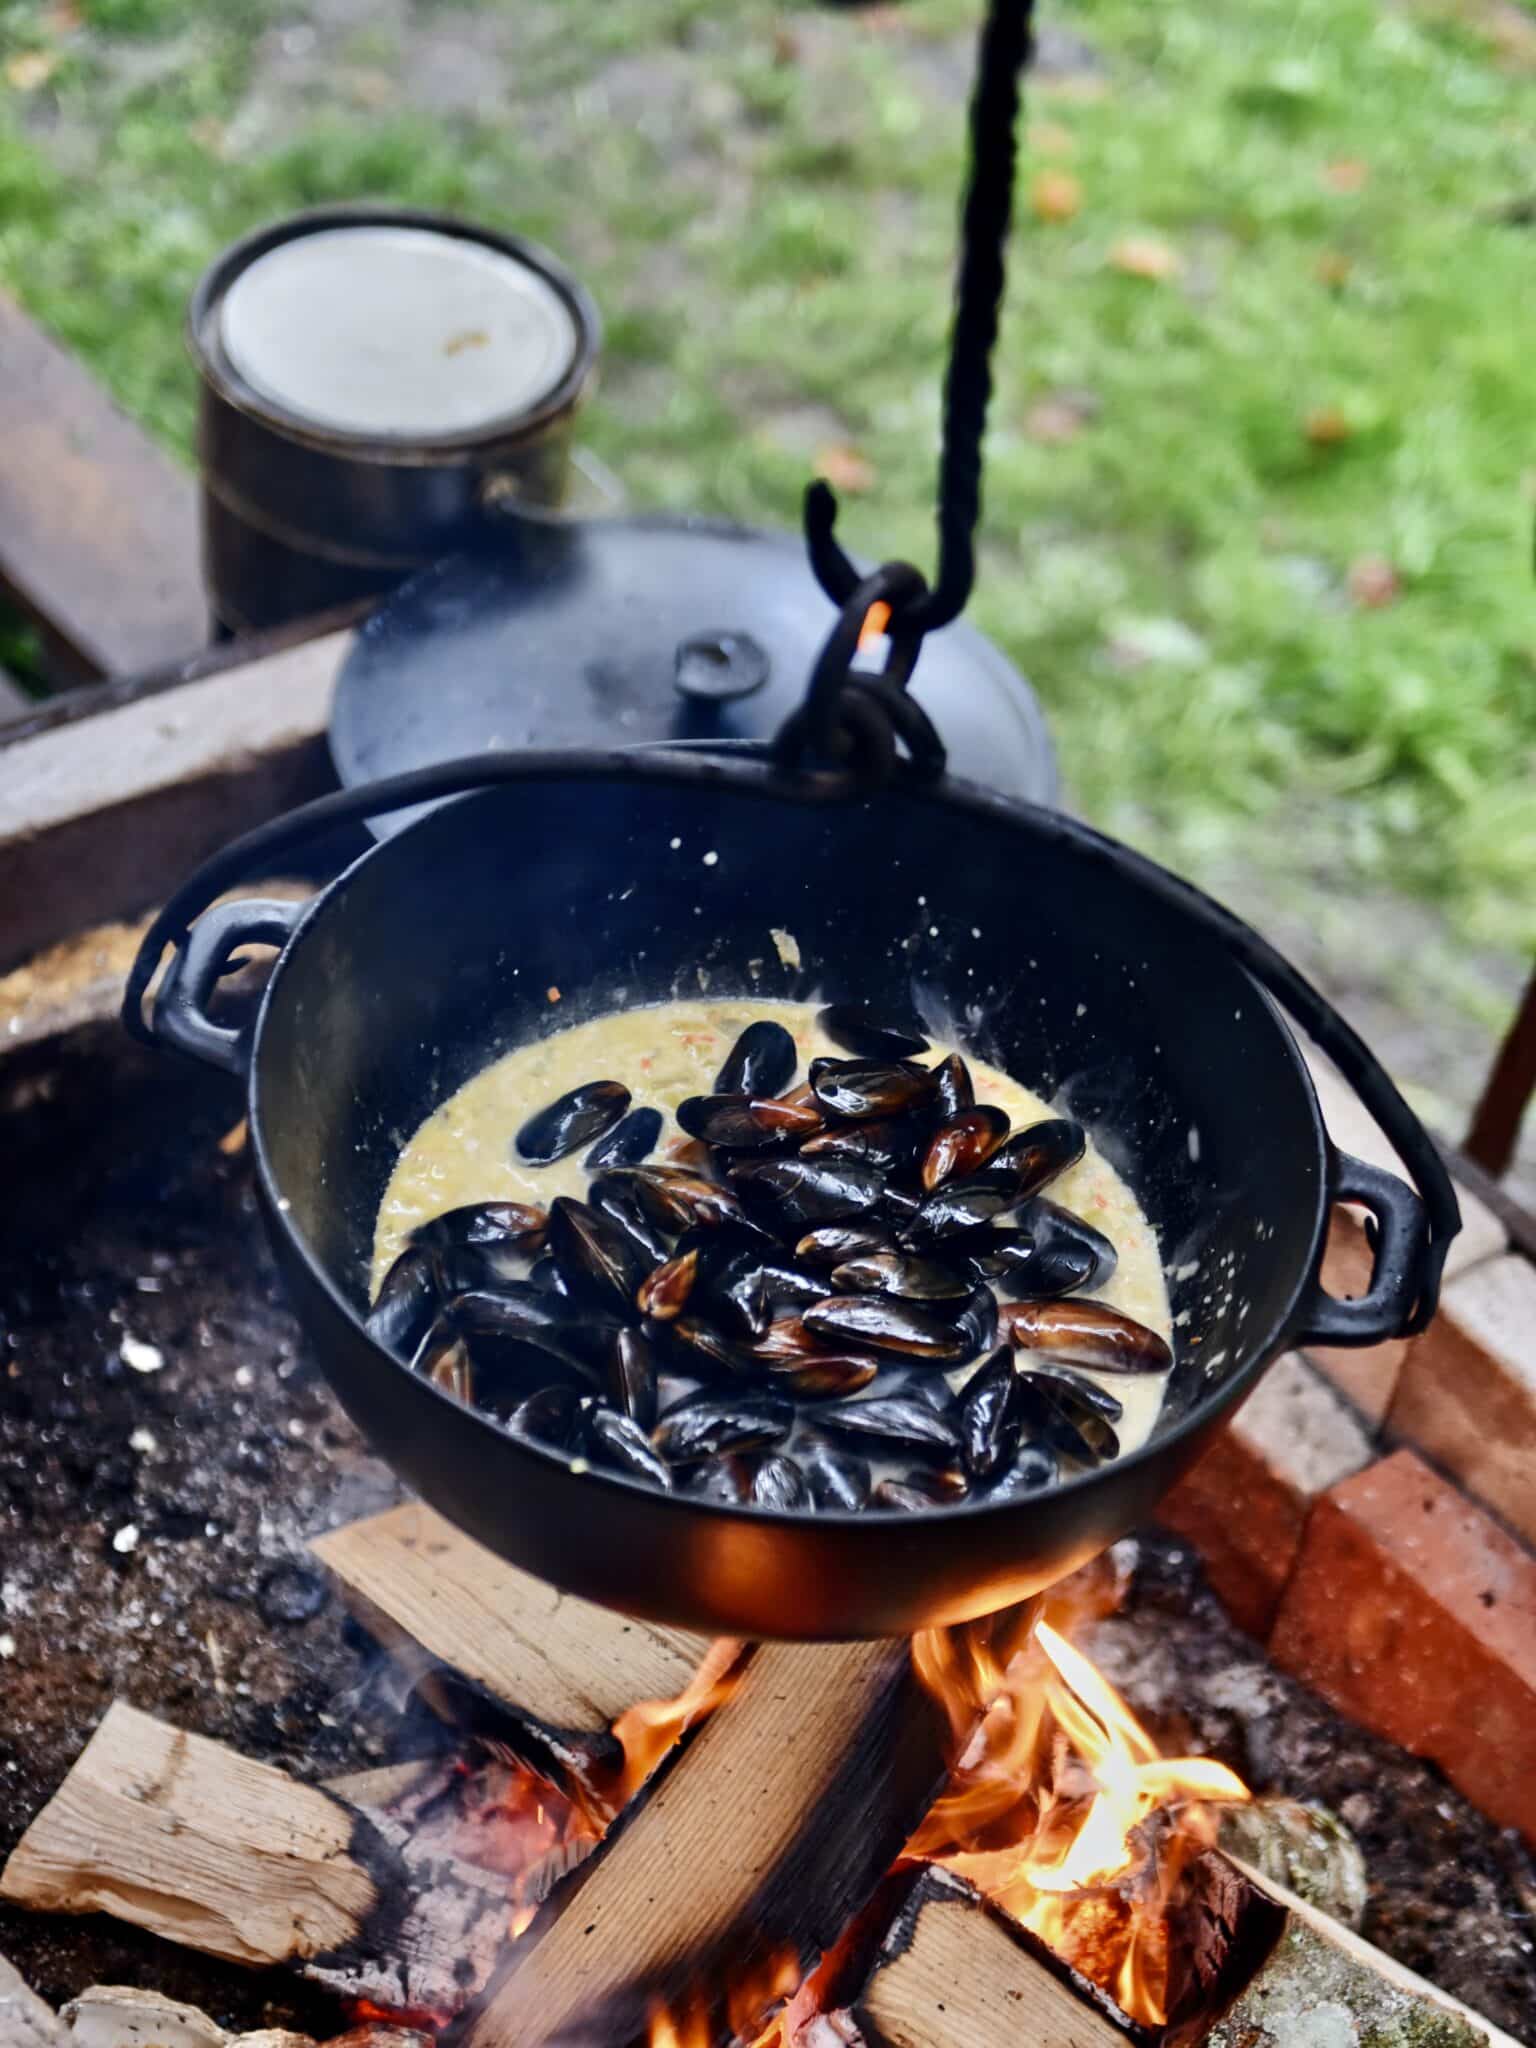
{"x":633,"y":1138}
{"x":705,"y":1425}
{"x":855,"y":1089}
{"x":1032,"y":1158}
{"x":832,"y":1243}
{"x":598,"y":1260}
{"x":517,"y":1225}
{"x":406,"y":1304}
{"x":1034,"y":1468}
{"x":796,"y":1193}
{"x":576,"y":1119}
{"x":761,"y":1062}
{"x":779,"y":1483}
{"x":623,"y":1444}
{"x":553,"y":1415}
{"x":953,"y":1087}
{"x":963,"y":1144}
{"x":900,"y":1273}
{"x":879,"y":1322}
{"x":1085,"y":1333}
{"x":838,"y":1480}
{"x":991,"y":1416}
{"x":746,"y":1123}
{"x":870,"y":1035}
{"x":630,"y":1374}
{"x":444,"y":1360}
{"x":893,"y":1423}
{"x":664,"y":1291}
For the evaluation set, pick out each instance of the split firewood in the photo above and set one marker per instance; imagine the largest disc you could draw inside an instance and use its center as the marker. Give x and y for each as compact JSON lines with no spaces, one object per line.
{"x":748,"y":1860}
{"x":118,"y":2016}
{"x":26,"y":2021}
{"x":180,"y":1835}
{"x":274,"y":2037}
{"x":952,"y":1973}
{"x":412,"y":1579}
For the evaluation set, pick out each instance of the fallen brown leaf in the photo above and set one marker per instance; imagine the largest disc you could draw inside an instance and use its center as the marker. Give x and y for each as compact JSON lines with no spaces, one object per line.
{"x":30,"y":69}
{"x":1332,"y":267}
{"x":1325,"y":426}
{"x":1346,"y":174}
{"x":1049,"y":138}
{"x":1055,"y":195}
{"x":1060,"y":416}
{"x":845,"y":468}
{"x":1373,"y":582}
{"x":1146,"y":256}
{"x":786,"y":46}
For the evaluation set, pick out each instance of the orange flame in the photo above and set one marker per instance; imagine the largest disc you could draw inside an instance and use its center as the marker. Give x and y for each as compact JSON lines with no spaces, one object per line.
{"x":1061,"y":1809}
{"x":756,"y":2002}
{"x":647,"y":1732}
{"x":876,"y":619}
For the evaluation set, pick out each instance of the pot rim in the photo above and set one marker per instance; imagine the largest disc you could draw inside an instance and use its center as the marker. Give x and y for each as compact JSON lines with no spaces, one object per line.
{"x":667,"y":767}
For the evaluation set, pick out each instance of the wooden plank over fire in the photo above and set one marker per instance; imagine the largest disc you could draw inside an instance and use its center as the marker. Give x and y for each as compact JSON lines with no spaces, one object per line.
{"x":768,"y":1833}
{"x":98,"y":527}
{"x":102,"y":817}
{"x":412,"y":1578}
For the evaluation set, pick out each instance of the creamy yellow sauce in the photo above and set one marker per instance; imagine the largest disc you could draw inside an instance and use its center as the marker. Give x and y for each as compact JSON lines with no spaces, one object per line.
{"x":666,"y":1052}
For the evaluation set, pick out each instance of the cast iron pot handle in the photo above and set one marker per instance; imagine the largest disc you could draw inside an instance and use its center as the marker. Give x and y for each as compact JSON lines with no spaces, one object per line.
{"x":1396,"y":1271}
{"x":181,"y":1006}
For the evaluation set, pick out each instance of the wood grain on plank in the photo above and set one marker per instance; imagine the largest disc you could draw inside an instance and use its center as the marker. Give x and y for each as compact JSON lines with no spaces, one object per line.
{"x":413,"y":1577}
{"x":98,"y":526}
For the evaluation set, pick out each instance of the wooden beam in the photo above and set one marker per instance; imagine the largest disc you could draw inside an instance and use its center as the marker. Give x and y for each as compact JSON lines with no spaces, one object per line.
{"x":99,"y":819}
{"x":1507,"y":1092}
{"x":181,"y":1836}
{"x":771,"y":1830}
{"x":98,"y":526}
{"x":413,"y":1579}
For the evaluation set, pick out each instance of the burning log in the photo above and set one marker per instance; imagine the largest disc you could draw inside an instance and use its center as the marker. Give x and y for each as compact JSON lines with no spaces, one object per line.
{"x":181,"y":1836}
{"x":744,"y":1864}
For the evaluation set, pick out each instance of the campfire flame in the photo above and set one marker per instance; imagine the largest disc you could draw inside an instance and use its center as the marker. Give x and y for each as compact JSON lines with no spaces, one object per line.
{"x":647,"y":1732}
{"x":1062,"y":1810}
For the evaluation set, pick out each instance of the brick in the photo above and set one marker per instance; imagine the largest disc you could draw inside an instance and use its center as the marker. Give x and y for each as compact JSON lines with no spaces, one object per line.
{"x":1414,"y":1613}
{"x":1245,"y":1504}
{"x":1467,"y":1394}
{"x":1369,"y":1376}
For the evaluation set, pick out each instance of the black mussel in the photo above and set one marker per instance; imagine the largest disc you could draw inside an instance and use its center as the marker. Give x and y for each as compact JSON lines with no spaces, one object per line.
{"x":953,"y":1091}
{"x":958,"y":1206}
{"x":897,"y":1497}
{"x":1066,"y":1243}
{"x":799,"y":1192}
{"x":898,"y":1206}
{"x":899,"y":1273}
{"x":517,"y":1317}
{"x":699,"y":1348}
{"x":704,"y":1425}
{"x":963,"y":1144}
{"x":632,"y":1139}
{"x":939,"y":1484}
{"x":630,"y":1377}
{"x":551,"y":1415}
{"x":835,"y":1242}
{"x":888,"y":1143}
{"x":544,"y":1275}
{"x":893,"y":1422}
{"x":598,"y":1261}
{"x":678,"y":1197}
{"x":1085,"y":1333}
{"x":1031,"y":1159}
{"x":737,"y":1292}
{"x":444,"y":1360}
{"x":786,"y":1337}
{"x":779,"y":1483}
{"x":822,"y":1375}
{"x":991,"y":1416}
{"x":854,"y":1089}
{"x":1035,"y":1468}
{"x":869,"y":1035}
{"x":837,"y":1480}
{"x":576,"y":1119}
{"x":1026,"y":1270}
{"x":1070,"y":1421}
{"x":789,"y":1287}
{"x":746,"y":1123}
{"x":879,"y":1322}
{"x":406,"y":1303}
{"x":761,"y":1062}
{"x":977,"y":1321}
{"x":1077,"y":1390}
{"x":931,"y":1388}
{"x":620,"y":1201}
{"x":517,"y":1225}
{"x":623,"y":1444}
{"x":727,"y":1479}
{"x":664,"y":1291}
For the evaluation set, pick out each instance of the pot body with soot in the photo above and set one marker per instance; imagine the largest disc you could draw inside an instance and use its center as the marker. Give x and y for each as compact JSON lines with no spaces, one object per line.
{"x":622,"y":879}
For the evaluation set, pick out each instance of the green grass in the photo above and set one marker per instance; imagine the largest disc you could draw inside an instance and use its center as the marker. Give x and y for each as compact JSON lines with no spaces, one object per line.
{"x":1174,"y":578}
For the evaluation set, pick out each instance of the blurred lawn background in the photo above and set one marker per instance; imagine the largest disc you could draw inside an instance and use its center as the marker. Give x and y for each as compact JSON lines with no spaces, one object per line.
{"x":1263,"y":461}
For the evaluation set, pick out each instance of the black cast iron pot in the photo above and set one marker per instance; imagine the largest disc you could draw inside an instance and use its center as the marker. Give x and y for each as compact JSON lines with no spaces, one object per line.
{"x":626,"y":878}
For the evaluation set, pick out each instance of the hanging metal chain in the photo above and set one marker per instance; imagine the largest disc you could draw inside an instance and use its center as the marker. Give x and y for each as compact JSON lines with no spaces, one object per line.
{"x":916,"y":608}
